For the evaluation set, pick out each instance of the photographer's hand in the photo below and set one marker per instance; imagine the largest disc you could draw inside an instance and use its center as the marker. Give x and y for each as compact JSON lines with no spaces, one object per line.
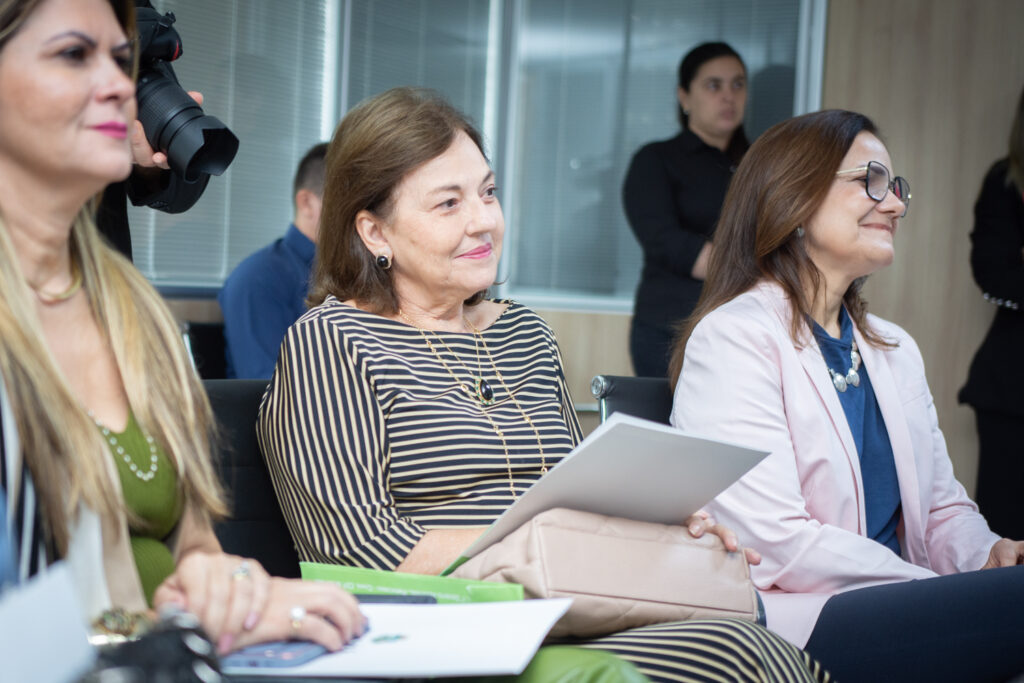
{"x":142,"y":153}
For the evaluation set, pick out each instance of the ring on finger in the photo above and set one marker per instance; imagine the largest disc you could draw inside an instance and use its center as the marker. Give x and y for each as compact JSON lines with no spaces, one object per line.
{"x":242,"y":571}
{"x":297,"y":614}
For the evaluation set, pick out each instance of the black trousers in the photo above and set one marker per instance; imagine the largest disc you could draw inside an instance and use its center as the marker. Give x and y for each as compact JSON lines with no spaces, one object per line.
{"x":960,"y":628}
{"x":650,"y":347}
{"x":1001,"y":471}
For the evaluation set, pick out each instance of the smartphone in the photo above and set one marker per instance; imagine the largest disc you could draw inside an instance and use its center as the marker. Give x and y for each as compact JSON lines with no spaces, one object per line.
{"x":274,"y":654}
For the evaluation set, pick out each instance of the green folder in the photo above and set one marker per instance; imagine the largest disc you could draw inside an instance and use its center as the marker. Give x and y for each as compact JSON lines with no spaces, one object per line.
{"x":379,"y":582}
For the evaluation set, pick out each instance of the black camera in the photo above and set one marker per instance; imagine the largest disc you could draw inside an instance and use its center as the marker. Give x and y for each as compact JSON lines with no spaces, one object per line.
{"x":195,"y":143}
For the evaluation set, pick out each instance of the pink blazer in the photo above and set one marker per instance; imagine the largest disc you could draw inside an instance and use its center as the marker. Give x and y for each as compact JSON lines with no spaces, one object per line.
{"x":745,"y":381}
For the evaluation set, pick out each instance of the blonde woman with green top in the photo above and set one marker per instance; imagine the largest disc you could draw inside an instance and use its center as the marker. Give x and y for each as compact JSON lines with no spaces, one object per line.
{"x":106,"y":444}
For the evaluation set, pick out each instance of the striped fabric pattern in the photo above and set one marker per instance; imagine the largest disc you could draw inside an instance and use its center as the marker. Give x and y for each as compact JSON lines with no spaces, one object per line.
{"x":711,"y":650}
{"x":370,"y":441}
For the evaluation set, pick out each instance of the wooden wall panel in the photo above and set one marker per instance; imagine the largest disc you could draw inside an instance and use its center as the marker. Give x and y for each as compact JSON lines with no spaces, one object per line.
{"x":591,"y":344}
{"x":941,"y":79}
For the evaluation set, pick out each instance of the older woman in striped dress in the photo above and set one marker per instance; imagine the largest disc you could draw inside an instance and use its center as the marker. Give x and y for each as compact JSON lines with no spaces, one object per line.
{"x":407,"y":410}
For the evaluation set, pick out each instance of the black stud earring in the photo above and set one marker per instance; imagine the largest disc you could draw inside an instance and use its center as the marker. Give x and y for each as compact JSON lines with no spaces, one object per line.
{"x":384,"y":262}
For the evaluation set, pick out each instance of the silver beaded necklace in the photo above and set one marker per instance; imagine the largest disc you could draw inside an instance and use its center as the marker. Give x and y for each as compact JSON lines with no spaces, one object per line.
{"x":118,"y":450}
{"x":851,"y":378}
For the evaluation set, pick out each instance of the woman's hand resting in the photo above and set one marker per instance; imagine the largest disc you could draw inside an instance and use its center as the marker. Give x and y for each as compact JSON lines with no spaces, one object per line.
{"x":1005,"y":553}
{"x":239,"y":604}
{"x":701,"y":522}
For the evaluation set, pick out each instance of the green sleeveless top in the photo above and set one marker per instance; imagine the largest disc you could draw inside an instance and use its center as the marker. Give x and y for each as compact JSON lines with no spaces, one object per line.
{"x":153,"y":498}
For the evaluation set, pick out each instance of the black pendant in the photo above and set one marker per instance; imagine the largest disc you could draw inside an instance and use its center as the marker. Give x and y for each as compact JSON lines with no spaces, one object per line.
{"x":484,"y":392}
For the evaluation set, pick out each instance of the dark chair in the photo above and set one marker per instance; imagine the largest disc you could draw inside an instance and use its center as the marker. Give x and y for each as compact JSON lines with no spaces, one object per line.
{"x":206,"y":344}
{"x":646,"y":397}
{"x":256,"y":527}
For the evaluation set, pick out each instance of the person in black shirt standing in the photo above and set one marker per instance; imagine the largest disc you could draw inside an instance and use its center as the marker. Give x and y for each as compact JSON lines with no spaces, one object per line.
{"x":995,"y":378}
{"x":673,"y":193}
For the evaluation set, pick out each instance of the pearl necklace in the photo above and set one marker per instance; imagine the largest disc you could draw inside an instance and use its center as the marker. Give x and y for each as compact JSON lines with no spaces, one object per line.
{"x":851,"y":378}
{"x":119,"y":450}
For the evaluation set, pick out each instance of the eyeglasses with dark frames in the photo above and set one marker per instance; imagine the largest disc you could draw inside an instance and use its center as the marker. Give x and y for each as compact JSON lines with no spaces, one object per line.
{"x":877,"y":183}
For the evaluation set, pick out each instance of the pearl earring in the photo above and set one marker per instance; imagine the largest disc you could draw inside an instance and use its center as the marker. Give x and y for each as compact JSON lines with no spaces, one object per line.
{"x":800,"y":231}
{"x":384,"y":262}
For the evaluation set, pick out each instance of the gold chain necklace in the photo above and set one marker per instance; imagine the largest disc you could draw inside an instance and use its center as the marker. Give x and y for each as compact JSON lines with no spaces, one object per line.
{"x":477,"y":337}
{"x":475,"y":393}
{"x":58,"y":297}
{"x":480,"y":388}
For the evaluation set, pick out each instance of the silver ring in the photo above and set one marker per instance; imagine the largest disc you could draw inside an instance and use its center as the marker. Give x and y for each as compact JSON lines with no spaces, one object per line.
{"x":242,"y":571}
{"x":297,"y":614}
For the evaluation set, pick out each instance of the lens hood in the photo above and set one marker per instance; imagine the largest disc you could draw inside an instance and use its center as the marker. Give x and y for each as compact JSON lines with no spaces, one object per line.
{"x":195,"y":143}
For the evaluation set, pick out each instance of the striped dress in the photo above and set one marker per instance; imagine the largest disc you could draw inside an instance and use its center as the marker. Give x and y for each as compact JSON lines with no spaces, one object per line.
{"x":374,"y":436}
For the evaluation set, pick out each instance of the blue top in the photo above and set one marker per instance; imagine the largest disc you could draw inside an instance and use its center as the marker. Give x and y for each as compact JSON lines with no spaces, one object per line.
{"x":261,"y":298}
{"x":877,"y":464}
{"x":8,"y":576}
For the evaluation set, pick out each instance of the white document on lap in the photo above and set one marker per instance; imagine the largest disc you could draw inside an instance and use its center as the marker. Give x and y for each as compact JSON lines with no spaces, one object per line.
{"x":407,"y":640}
{"x":631,"y":468}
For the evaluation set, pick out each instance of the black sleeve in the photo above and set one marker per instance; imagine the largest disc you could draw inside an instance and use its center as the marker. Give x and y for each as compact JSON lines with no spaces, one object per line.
{"x":998,"y":237}
{"x":164,"y":190}
{"x":648,"y":197}
{"x":112,"y":218}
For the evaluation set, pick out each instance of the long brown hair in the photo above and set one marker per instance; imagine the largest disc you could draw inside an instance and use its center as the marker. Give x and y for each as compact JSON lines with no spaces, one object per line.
{"x":377,"y":144}
{"x":60,"y":445}
{"x":778,"y":187}
{"x":1016,"y":169}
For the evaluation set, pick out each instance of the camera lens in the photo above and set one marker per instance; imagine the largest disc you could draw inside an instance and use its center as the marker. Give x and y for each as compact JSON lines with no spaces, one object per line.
{"x":195,"y":143}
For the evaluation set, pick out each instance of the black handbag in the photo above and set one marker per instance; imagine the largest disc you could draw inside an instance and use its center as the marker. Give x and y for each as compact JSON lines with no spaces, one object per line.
{"x":175,"y":649}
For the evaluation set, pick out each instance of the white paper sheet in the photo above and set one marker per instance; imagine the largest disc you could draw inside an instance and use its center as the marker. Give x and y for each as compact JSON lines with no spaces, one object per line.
{"x":473,"y":639}
{"x":43,"y":632}
{"x":632,"y":468}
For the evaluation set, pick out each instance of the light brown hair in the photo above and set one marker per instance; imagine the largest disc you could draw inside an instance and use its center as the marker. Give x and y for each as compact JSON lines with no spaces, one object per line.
{"x":378,"y":143}
{"x":780,"y":184}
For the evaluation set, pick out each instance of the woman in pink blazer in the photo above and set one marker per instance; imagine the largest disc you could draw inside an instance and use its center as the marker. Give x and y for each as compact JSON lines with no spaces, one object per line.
{"x":857,"y":499}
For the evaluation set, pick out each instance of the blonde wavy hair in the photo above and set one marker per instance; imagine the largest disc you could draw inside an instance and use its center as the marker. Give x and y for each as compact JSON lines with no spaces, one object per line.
{"x":65,"y":453}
